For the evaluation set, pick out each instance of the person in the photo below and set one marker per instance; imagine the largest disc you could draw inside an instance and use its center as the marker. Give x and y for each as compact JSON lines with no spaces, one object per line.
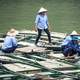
{"x":70,"y":45}
{"x":10,"y":43}
{"x":41,"y":24}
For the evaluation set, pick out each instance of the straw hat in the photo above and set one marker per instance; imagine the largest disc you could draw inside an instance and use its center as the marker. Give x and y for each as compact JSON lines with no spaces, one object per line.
{"x":42,"y":10}
{"x":12,"y":32}
{"x":74,"y":33}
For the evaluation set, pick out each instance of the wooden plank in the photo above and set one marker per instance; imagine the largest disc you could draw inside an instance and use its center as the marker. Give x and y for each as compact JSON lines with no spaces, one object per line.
{"x":6,"y":58}
{"x":52,"y":46}
{"x":53,"y":64}
{"x":59,"y":56}
{"x":34,"y":56}
{"x":27,"y":32}
{"x":23,"y":43}
{"x":31,"y":49}
{"x":58,"y":34}
{"x":18,"y":67}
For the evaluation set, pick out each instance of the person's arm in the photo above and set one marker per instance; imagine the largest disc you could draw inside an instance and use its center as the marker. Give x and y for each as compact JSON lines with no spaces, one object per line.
{"x":36,"y":22}
{"x":14,"y":41}
{"x":49,"y":27}
{"x":48,"y":24}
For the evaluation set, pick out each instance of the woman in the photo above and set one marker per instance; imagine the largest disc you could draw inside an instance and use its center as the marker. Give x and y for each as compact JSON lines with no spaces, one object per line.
{"x":10,"y":42}
{"x":42,"y":24}
{"x":70,"y":45}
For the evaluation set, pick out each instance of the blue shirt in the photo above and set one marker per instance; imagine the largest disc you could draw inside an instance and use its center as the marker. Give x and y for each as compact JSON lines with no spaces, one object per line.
{"x":9,"y":42}
{"x":66,"y":40}
{"x":70,"y":39}
{"x":41,"y":21}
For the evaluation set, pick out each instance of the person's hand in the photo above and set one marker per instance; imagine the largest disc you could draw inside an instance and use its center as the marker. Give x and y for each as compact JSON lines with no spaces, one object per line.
{"x":35,"y":29}
{"x":50,"y":28}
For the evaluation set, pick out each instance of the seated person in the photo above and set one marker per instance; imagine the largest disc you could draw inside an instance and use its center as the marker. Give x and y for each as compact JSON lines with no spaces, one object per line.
{"x":10,"y":42}
{"x":70,"y":45}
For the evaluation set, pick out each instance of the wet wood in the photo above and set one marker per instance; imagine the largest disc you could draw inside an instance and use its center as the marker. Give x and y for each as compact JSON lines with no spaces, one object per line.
{"x":18,"y":67}
{"x":59,"y":56}
{"x":25,"y":43}
{"x":53,"y":64}
{"x":31,"y":49}
{"x":5,"y":58}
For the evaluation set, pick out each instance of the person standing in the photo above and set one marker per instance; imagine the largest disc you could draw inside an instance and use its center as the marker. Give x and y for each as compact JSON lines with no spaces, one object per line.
{"x":41,"y":24}
{"x":10,"y":43}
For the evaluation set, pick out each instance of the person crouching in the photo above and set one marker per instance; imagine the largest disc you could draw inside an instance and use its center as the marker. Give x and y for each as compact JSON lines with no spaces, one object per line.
{"x":10,"y":43}
{"x":70,"y":46}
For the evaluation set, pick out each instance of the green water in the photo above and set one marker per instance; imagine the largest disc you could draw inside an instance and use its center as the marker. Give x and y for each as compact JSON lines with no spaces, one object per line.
{"x":64,"y":15}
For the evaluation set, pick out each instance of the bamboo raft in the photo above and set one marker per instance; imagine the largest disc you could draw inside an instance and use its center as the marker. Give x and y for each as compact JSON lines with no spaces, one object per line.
{"x":52,"y":65}
{"x":39,"y":65}
{"x":28,"y":71}
{"x":53,"y":34}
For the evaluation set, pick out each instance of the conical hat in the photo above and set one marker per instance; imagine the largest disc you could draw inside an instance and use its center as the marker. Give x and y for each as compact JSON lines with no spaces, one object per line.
{"x":12,"y":32}
{"x":42,"y":10}
{"x":74,"y":33}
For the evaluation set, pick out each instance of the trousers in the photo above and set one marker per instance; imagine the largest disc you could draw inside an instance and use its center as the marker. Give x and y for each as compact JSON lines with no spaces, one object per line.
{"x":39,"y":34}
